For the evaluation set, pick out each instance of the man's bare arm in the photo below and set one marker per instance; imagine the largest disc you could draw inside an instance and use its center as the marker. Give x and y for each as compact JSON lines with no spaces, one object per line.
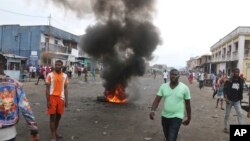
{"x":66,"y":95}
{"x":188,"y":109}
{"x":154,"y":106}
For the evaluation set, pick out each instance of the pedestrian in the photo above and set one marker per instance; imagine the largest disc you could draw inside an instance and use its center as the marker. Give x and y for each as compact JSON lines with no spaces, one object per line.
{"x":233,"y":92}
{"x":190,"y":78}
{"x":41,"y":75}
{"x":30,"y":71}
{"x":93,"y":75}
{"x":215,"y":86}
{"x":37,"y":70}
{"x":85,"y":71}
{"x":13,"y":99}
{"x":219,"y":95}
{"x":154,"y":72}
{"x":47,"y":70}
{"x":79,"y":71}
{"x":165,"y":76}
{"x":201,"y":80}
{"x":33,"y":71}
{"x":176,"y":97}
{"x":57,"y":97}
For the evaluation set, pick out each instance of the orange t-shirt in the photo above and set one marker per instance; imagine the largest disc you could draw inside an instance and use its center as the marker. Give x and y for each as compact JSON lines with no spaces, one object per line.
{"x":57,"y":83}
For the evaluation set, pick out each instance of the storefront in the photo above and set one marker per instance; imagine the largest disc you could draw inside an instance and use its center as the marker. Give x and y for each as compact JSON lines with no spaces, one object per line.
{"x":14,"y":65}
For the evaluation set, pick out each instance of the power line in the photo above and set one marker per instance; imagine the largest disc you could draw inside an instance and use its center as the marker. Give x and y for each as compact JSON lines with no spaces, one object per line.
{"x":16,"y":13}
{"x":56,"y":21}
{"x":34,"y":16}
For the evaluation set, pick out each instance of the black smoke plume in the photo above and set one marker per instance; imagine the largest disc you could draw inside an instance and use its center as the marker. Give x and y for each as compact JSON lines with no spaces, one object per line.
{"x":123,"y":39}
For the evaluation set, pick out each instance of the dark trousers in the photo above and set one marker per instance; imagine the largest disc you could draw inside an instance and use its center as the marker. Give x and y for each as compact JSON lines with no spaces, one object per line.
{"x":171,"y":127}
{"x":201,"y":83}
{"x":12,"y":139}
{"x":165,"y":80}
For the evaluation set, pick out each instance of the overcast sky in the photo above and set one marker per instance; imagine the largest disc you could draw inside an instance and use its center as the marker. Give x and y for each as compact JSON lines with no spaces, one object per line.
{"x":188,"y":27}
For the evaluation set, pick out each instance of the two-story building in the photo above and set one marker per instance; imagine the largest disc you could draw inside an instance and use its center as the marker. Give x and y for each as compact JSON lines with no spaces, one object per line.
{"x":40,"y":44}
{"x":193,"y":63}
{"x":204,"y":63}
{"x":232,"y":51}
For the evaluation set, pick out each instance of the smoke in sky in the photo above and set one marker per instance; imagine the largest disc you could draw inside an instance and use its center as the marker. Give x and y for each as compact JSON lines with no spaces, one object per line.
{"x":123,"y":38}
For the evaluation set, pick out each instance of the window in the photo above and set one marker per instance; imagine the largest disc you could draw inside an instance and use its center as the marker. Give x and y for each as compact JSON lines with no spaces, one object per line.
{"x":13,"y":66}
{"x":56,"y":42}
{"x":46,"y":39}
{"x":229,"y":48}
{"x":235,"y":46}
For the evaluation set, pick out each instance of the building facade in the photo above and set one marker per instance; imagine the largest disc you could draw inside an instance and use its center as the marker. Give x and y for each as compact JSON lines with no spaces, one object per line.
{"x":193,"y":63}
{"x":232,"y":51}
{"x":42,"y":45}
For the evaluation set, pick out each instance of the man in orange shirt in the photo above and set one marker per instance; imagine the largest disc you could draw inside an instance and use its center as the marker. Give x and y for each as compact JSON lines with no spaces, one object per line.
{"x":57,"y":97}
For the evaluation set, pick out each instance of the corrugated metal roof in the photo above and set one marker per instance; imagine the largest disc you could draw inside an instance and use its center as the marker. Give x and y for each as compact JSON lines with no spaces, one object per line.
{"x":13,"y":56}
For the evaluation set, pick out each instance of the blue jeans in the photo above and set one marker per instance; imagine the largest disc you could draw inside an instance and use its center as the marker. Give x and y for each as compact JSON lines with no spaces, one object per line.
{"x":237,"y":108}
{"x":171,"y":127}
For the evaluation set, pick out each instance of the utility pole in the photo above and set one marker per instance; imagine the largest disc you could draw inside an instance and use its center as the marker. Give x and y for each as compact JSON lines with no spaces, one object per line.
{"x":19,"y":43}
{"x":47,"y":57}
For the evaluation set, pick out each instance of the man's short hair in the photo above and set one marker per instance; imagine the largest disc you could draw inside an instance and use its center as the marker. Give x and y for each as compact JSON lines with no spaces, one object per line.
{"x":173,"y":70}
{"x":60,"y":61}
{"x":236,"y":69}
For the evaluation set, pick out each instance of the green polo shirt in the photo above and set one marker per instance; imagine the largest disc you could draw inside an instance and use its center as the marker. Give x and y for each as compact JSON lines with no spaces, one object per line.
{"x":174,"y":100}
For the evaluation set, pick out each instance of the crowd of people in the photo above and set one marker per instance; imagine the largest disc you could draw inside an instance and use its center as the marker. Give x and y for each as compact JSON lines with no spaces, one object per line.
{"x":176,"y":96}
{"x":76,"y":71}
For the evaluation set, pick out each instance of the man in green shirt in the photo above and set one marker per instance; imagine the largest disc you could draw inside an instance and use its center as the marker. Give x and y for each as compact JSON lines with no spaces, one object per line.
{"x":176,"y":97}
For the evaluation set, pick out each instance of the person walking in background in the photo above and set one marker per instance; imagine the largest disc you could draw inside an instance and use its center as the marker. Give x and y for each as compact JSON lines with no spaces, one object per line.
{"x":33,"y":71}
{"x":176,"y":98}
{"x":233,"y":92}
{"x":38,"y":70}
{"x":85,"y":71}
{"x":154,"y":73}
{"x":201,"y":80}
{"x":57,"y":97}
{"x":215,"y":86}
{"x":220,"y":97}
{"x":190,"y":78}
{"x":12,"y":100}
{"x":47,"y":70}
{"x":41,"y":75}
{"x":165,"y":76}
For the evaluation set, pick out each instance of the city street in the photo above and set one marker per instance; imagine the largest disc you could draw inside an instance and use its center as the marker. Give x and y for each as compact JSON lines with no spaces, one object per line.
{"x":86,"y":119}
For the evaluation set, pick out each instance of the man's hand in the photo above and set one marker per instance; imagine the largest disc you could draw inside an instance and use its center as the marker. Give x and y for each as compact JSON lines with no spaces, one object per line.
{"x":226,"y":100}
{"x":152,"y":115}
{"x":187,"y":121}
{"x":48,"y":104}
{"x":248,"y":114}
{"x":66,"y":104}
{"x":35,"y":137}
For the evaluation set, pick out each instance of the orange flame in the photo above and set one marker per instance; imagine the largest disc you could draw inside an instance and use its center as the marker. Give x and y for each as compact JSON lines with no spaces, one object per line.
{"x":117,"y":95}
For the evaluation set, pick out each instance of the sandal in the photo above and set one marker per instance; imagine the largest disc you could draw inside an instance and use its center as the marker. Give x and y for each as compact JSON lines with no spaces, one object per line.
{"x":59,"y":136}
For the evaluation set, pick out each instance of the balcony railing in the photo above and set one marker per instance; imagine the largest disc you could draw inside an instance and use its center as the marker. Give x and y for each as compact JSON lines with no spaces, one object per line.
{"x":53,"y":48}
